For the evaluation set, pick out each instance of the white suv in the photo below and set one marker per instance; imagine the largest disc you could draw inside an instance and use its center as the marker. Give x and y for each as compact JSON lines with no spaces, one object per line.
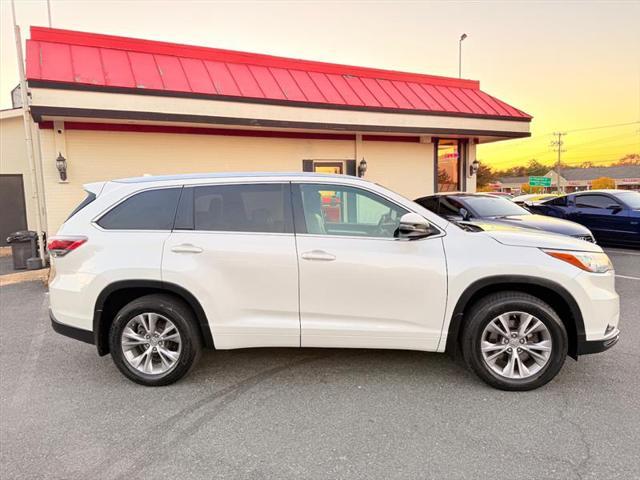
{"x":152,"y":269}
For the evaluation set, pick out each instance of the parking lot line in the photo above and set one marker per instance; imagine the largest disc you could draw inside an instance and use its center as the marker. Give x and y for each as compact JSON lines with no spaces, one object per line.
{"x":622,"y":252}
{"x":627,"y":277}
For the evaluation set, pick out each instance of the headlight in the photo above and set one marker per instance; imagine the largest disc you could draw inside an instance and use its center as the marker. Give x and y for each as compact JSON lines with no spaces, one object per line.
{"x":588,"y":261}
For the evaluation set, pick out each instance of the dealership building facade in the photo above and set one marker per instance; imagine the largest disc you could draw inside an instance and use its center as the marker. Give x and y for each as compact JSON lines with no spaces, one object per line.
{"x":108,"y":107}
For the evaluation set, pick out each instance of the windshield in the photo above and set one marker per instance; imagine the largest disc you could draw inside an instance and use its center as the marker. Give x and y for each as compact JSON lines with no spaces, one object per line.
{"x":630,"y":198}
{"x":494,"y":206}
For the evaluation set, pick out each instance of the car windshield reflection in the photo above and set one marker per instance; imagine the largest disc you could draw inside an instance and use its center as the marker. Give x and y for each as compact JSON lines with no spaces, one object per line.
{"x":487,"y":206}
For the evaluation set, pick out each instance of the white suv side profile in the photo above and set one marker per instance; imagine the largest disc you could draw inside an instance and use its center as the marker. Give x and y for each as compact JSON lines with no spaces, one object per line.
{"x":153,"y":269}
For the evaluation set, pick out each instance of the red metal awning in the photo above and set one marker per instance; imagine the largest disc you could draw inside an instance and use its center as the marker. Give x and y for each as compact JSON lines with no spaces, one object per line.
{"x":109,"y":63}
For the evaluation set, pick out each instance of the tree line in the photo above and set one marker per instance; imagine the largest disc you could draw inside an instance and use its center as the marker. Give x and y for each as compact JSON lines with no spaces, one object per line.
{"x":533,"y":167}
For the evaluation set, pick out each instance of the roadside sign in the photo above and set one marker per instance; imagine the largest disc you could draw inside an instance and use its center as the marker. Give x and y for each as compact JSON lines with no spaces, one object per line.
{"x":540,"y":181}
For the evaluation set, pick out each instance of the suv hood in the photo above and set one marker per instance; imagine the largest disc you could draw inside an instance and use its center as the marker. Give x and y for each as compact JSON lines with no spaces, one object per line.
{"x":538,"y":222}
{"x":522,"y":237}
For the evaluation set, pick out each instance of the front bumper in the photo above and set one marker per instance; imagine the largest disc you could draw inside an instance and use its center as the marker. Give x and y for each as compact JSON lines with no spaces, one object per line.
{"x":586,"y":347}
{"x":72,"y":332}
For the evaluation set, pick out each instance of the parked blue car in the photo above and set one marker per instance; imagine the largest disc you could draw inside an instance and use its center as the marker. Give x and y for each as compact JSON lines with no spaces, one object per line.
{"x":613,"y":216}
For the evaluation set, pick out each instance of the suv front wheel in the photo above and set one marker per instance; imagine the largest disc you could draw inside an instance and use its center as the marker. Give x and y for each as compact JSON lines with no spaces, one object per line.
{"x":154,"y":341}
{"x":514,"y":341}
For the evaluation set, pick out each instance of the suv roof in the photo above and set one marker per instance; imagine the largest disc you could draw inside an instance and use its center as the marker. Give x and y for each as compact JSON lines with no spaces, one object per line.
{"x":201,"y":176}
{"x":460,"y":194}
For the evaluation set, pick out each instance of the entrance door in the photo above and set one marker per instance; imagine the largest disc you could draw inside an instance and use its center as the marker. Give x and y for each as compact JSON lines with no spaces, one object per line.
{"x":14,"y":212}
{"x":359,"y":285}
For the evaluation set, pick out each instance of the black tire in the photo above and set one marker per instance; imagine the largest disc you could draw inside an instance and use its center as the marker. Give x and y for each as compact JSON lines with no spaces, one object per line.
{"x":182,"y":317}
{"x":490,"y":307}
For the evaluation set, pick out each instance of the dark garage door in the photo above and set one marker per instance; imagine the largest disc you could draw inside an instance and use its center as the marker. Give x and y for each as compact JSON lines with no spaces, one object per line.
{"x":14,"y":213}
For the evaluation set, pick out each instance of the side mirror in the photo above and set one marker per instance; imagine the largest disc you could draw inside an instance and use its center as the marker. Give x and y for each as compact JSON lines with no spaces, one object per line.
{"x":413,"y":227}
{"x":615,"y":208}
{"x":464,"y":213}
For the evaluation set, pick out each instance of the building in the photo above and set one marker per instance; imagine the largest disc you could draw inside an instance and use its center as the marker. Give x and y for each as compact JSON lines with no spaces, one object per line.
{"x":108,"y":107}
{"x":509,"y":184}
{"x":626,"y":177}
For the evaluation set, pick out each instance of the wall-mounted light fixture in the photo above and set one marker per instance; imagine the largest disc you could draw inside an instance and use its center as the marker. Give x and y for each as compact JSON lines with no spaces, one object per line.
{"x":362,"y":167}
{"x":473,"y":168}
{"x":61,"y":165}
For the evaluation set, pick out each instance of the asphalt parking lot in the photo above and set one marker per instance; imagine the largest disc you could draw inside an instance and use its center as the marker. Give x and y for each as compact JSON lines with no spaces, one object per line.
{"x":287,"y":413}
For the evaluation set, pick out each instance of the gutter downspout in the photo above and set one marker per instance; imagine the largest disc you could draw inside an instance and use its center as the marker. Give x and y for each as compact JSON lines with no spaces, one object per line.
{"x":26,"y":116}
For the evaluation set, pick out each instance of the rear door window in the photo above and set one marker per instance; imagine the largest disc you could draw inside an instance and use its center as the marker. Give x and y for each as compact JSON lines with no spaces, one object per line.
{"x":257,"y":208}
{"x":150,"y":210}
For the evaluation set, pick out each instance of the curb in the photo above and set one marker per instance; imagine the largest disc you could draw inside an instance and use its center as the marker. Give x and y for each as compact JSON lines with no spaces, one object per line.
{"x":28,"y":276}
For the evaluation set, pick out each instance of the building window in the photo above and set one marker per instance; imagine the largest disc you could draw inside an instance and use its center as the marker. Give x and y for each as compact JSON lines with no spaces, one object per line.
{"x":340,"y":167}
{"x":448,"y":165}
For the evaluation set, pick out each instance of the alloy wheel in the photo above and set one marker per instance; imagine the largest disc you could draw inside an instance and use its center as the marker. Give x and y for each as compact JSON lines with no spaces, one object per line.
{"x":516,"y":345}
{"x":151,"y":343}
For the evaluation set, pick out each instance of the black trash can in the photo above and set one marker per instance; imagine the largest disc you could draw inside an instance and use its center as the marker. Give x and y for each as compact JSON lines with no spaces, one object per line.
{"x":24,"y":245}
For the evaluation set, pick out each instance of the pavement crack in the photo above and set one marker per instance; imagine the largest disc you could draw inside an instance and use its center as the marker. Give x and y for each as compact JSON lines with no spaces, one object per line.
{"x":578,"y":468}
{"x":133,"y":463}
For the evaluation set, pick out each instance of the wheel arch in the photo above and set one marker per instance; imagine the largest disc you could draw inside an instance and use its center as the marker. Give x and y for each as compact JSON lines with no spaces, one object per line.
{"x":116,"y":295}
{"x":547,"y":290}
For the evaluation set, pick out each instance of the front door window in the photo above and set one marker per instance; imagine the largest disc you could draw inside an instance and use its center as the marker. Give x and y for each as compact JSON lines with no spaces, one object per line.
{"x":341,"y":210}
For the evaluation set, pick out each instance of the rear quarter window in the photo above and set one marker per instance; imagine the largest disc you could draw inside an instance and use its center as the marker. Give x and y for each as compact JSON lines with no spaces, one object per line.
{"x":150,"y":210}
{"x":87,"y":200}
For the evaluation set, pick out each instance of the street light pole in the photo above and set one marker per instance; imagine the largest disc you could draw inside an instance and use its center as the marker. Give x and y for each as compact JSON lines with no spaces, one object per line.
{"x":462,"y":37}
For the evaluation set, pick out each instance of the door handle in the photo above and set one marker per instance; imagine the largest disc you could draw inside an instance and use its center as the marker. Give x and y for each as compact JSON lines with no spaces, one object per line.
{"x":186,"y":248}
{"x":318,"y":255}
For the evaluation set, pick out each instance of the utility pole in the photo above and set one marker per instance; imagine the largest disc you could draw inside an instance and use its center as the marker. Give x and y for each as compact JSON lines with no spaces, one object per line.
{"x":557,"y":145}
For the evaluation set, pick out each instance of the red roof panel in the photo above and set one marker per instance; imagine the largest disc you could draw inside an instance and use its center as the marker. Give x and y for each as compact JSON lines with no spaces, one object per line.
{"x":326,"y":88}
{"x":244,"y":79}
{"x":199,"y":79}
{"x":361,"y":90}
{"x":145,"y":71}
{"x":378,"y":92}
{"x":172,"y":73}
{"x":268,"y":84}
{"x":117,"y":68}
{"x":87,"y":66}
{"x":55,"y":62}
{"x":307,"y":86}
{"x":64,"y":56}
{"x":222,"y":79}
{"x":395,"y":95}
{"x":287,"y":84}
{"x":346,"y":92}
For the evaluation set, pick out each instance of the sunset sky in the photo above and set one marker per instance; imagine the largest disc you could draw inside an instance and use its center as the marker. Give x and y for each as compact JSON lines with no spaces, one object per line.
{"x":574,"y":66}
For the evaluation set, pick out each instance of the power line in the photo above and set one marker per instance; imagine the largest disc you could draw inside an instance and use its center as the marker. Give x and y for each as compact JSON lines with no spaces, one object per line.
{"x":539,"y":137}
{"x":612,"y":125}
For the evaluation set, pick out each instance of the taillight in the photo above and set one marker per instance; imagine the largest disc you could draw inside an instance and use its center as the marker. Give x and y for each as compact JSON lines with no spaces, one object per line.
{"x":60,"y":246}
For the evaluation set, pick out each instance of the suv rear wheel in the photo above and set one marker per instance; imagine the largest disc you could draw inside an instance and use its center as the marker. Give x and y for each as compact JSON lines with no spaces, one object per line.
{"x":514,"y":341}
{"x":154,"y":341}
